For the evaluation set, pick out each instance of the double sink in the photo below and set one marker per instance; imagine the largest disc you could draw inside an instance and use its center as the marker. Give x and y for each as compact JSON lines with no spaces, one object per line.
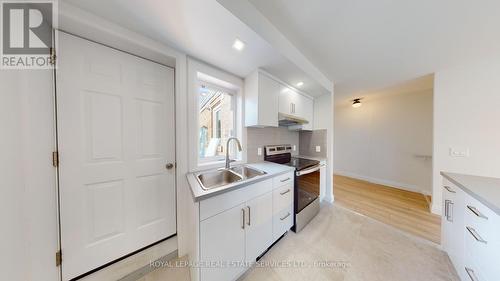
{"x":222,"y":177}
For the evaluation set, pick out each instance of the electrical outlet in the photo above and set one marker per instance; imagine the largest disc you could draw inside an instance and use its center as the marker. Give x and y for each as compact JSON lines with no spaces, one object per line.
{"x":459,"y":152}
{"x":259,"y":151}
{"x":294,"y":147}
{"x":318,"y":148}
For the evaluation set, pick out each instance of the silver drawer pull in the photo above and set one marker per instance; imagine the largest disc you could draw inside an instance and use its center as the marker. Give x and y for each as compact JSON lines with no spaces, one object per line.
{"x":449,"y":189}
{"x":476,"y":212}
{"x":471,"y":274}
{"x":284,"y":180}
{"x":243,"y":218}
{"x":476,"y":236}
{"x":448,"y":210}
{"x":248,"y":207}
{"x":283,"y":218}
{"x":285,"y":192}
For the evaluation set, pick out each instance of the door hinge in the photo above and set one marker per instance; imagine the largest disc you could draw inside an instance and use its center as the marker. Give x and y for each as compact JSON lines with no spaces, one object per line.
{"x":58,"y":258}
{"x":52,"y":57}
{"x":55,"y":159}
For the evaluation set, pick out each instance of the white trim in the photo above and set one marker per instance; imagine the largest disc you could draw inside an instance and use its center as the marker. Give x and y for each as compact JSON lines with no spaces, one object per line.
{"x":197,"y":70}
{"x":393,"y":184}
{"x":81,"y":23}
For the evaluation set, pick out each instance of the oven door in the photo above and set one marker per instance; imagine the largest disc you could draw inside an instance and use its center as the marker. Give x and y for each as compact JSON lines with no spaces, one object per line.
{"x":307,"y":187}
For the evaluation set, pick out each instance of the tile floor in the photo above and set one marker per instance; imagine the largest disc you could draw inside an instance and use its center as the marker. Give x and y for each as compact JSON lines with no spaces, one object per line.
{"x":358,"y":247}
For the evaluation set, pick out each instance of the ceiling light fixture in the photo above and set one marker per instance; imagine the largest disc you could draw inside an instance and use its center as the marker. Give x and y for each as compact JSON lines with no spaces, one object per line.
{"x":238,"y":44}
{"x":356,"y":102}
{"x":300,"y":84}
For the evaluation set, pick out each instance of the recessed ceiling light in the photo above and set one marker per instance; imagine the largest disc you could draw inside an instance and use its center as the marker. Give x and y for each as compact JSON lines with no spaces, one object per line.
{"x":238,"y":44}
{"x":300,"y":84}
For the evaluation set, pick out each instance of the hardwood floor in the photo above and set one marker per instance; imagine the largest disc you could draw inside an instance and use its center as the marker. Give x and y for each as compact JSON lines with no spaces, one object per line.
{"x":405,"y":210}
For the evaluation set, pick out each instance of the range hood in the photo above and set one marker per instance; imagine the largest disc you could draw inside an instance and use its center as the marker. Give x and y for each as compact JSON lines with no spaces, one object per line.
{"x":287,"y":120}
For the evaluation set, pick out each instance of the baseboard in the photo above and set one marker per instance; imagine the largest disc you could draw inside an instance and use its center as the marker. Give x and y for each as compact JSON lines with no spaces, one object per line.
{"x":393,"y":184}
{"x":136,"y":263}
{"x":436,"y":208}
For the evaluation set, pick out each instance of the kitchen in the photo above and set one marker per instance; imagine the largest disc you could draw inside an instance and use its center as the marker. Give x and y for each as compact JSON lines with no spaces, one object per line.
{"x":193,"y":140}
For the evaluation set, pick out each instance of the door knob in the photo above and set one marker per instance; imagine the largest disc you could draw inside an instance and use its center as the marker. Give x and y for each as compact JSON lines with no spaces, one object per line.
{"x":169,"y":166}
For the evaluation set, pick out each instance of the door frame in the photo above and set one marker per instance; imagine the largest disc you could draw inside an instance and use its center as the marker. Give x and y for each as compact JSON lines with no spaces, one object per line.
{"x":59,"y":254}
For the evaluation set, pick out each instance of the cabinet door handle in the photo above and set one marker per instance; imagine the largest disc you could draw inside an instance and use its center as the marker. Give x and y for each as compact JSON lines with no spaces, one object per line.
{"x":471,"y":274}
{"x":449,"y":210}
{"x":476,"y":235}
{"x":476,"y":212}
{"x":284,"y":180}
{"x":242,"y":218}
{"x":248,"y":207}
{"x":449,"y":189}
{"x":287,"y":215}
{"x":285,"y":192}
{"x":446,"y":208}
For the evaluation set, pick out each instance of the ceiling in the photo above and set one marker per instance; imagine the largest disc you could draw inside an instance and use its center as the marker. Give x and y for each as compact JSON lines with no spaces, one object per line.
{"x":205,"y":30}
{"x":365,"y":44}
{"x":417,"y":85}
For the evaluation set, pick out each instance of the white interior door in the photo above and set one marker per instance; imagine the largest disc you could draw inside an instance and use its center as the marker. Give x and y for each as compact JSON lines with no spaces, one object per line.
{"x":115,"y":116}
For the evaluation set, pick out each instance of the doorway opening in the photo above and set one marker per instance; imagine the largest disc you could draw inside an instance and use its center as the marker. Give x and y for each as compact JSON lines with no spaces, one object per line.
{"x":383,"y":155}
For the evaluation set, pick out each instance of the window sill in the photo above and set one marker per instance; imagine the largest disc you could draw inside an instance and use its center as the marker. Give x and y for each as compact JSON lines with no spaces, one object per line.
{"x":215,"y":164}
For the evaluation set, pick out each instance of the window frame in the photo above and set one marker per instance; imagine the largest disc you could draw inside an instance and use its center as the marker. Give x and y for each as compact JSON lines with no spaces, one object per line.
{"x":203,"y":161}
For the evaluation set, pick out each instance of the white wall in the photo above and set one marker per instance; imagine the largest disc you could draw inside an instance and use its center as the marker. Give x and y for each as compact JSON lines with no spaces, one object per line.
{"x":467,"y":115}
{"x":323,"y":119}
{"x":27,"y":180}
{"x":322,"y":112}
{"x":379,"y":140}
{"x":28,"y":211}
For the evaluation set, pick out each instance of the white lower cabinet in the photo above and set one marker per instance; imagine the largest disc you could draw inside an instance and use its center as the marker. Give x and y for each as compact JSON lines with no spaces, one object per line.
{"x":282,"y":209}
{"x":238,"y":226}
{"x":452,"y":223}
{"x":470,"y":235}
{"x":258,"y":226}
{"x":222,"y":240}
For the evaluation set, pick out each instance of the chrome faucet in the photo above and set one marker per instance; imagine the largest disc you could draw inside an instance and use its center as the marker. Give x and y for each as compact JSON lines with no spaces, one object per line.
{"x":228,"y":161}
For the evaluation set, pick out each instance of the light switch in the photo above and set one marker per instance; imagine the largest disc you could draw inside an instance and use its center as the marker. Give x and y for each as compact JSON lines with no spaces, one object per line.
{"x":318,"y":148}
{"x":459,"y":151}
{"x":259,"y":151}
{"x":294,"y":147}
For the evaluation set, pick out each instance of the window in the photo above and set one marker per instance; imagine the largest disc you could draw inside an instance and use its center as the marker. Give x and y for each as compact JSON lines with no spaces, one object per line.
{"x":216,"y":121}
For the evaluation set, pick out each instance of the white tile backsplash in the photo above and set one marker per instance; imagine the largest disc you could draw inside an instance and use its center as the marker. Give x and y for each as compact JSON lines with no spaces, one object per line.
{"x":260,"y":137}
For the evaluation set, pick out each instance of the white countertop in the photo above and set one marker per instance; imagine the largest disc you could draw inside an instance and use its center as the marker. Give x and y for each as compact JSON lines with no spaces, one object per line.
{"x":271,"y":169}
{"x":485,"y":190}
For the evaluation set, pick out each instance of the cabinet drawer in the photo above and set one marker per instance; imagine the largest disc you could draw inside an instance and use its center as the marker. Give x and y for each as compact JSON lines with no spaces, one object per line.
{"x":226,"y":201}
{"x":283,"y":179}
{"x":282,"y":197}
{"x":470,"y":272}
{"x":482,"y":237}
{"x":481,"y":257}
{"x":482,"y":218}
{"x":450,"y":189}
{"x":282,"y":221}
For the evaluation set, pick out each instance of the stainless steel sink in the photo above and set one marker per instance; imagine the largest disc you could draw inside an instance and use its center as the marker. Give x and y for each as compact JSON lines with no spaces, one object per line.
{"x":247,"y":172}
{"x":222,"y":177}
{"x":213,"y":179}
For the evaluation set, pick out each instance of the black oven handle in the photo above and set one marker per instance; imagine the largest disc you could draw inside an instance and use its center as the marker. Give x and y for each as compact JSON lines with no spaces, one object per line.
{"x":310,"y":170}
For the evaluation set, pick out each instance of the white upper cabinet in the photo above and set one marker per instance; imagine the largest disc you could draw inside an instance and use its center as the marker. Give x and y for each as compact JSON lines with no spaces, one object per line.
{"x":296,"y":104}
{"x":307,"y":111}
{"x":265,"y":97}
{"x":261,"y":100}
{"x":288,"y":99}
